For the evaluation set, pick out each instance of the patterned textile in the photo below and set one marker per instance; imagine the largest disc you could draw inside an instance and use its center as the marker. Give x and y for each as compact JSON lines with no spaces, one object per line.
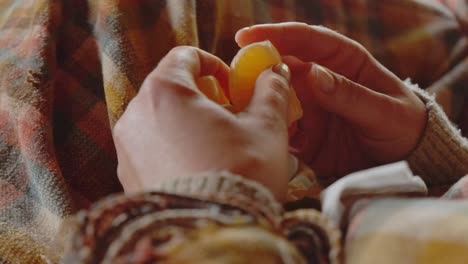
{"x":69,"y":68}
{"x":416,"y":231}
{"x":216,"y":217}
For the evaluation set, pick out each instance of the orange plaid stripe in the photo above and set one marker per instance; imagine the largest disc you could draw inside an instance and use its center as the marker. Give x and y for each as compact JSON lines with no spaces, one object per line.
{"x":69,"y":68}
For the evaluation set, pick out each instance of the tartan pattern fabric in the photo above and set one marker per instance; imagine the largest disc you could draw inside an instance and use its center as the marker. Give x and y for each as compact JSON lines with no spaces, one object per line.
{"x":69,"y":68}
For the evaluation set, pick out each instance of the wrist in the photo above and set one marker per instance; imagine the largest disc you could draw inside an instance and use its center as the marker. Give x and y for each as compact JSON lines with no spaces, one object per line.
{"x":179,"y":211}
{"x":440,"y":156}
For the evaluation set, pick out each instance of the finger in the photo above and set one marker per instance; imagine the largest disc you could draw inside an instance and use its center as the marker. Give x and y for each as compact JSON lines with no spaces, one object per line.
{"x":183,"y":65}
{"x":270,"y":100}
{"x":325,"y":47}
{"x":310,"y":43}
{"x":359,"y":105}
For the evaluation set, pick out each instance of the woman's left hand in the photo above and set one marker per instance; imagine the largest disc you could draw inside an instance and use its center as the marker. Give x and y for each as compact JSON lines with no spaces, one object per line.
{"x":357,"y":114}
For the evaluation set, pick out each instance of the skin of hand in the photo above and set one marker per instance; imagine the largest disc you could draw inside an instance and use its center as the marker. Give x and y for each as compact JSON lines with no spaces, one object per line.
{"x":170,"y":129}
{"x":357,"y":114}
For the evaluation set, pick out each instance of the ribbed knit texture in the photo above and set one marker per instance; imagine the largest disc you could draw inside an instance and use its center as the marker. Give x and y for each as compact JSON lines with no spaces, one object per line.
{"x":193,"y":202}
{"x":227,"y":188}
{"x":441,"y":157}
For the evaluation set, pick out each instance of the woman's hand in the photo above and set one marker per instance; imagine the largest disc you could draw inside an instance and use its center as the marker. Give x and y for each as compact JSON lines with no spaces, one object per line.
{"x":170,"y":129}
{"x":357,"y":114}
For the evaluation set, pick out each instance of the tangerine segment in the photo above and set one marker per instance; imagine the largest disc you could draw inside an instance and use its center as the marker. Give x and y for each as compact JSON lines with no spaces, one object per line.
{"x":246,"y":67}
{"x":210,"y":86}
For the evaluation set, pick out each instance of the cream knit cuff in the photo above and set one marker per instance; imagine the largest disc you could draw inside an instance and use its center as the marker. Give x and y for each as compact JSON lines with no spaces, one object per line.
{"x":226,"y":188}
{"x":441,"y":157}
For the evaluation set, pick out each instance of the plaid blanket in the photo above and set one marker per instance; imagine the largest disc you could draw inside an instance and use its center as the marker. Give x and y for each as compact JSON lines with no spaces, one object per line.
{"x":69,"y":68}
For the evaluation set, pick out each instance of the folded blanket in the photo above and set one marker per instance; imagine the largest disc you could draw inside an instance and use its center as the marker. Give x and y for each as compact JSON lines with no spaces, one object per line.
{"x":408,"y":231}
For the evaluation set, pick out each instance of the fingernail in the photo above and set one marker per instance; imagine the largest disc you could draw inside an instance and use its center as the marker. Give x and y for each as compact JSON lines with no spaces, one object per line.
{"x":283,"y":70}
{"x":325,"y":79}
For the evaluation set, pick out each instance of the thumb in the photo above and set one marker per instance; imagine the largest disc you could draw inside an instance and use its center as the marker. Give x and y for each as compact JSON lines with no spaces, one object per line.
{"x":347,"y":99}
{"x":271,"y":96}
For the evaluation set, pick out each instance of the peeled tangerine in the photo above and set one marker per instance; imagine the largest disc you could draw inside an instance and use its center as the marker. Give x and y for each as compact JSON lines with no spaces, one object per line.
{"x":246,"y":67}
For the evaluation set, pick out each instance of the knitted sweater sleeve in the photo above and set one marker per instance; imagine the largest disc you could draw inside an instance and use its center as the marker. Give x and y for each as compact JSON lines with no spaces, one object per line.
{"x":207,"y":217}
{"x":441,"y":158}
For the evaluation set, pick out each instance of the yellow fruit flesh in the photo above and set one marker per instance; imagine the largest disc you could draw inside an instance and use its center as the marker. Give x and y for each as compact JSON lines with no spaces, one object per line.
{"x":246,"y":67}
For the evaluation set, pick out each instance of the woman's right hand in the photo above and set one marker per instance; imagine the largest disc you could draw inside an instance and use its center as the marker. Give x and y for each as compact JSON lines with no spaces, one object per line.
{"x":357,"y":114}
{"x":171,"y":129}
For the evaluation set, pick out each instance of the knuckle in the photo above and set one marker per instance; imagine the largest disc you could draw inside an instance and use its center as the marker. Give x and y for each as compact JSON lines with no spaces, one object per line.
{"x":271,"y":122}
{"x":181,"y":52}
{"x":362,"y":60}
{"x":169,"y":84}
{"x":280,"y":91}
{"x":179,"y":57}
{"x":173,"y":75}
{"x":226,"y":122}
{"x":178,"y":87}
{"x":279,"y":85}
{"x":351,"y":94}
{"x":355,"y":48}
{"x":275,"y":100}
